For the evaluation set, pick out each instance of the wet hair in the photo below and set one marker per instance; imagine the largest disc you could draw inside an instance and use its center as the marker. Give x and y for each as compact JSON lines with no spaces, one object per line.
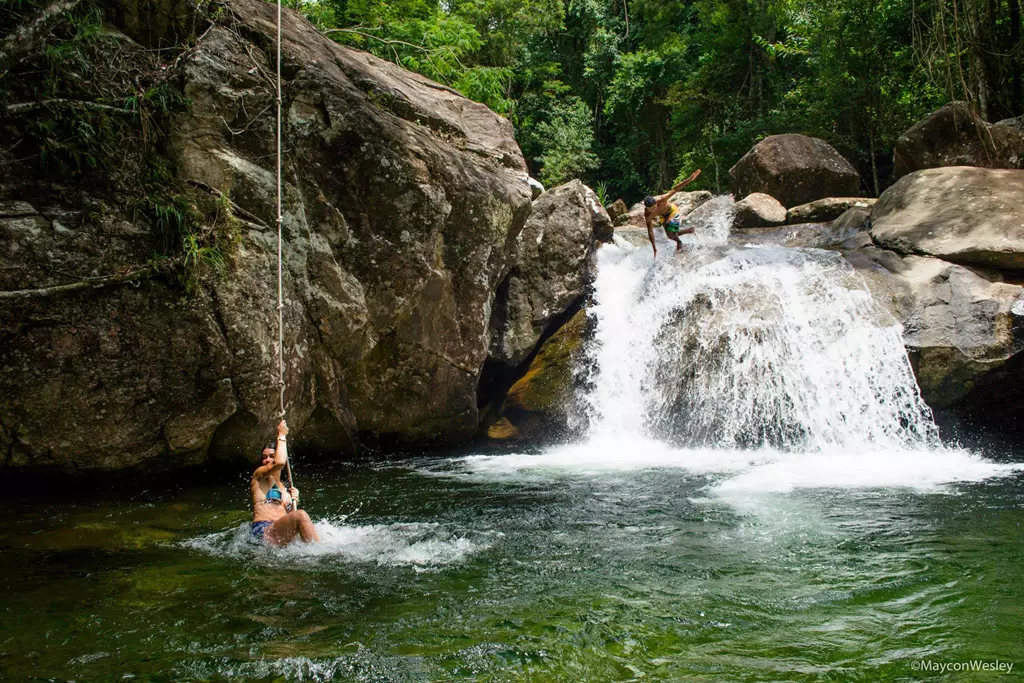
{"x":650,"y":201}
{"x":271,"y":445}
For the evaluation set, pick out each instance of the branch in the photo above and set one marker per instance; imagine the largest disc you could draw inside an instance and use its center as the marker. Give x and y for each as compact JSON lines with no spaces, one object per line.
{"x":386,"y":41}
{"x":25,"y":107}
{"x":130,"y":275}
{"x":254,"y":220}
{"x":17,"y":45}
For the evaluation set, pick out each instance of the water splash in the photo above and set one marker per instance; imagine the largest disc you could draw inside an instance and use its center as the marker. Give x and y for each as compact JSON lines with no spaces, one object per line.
{"x":399,"y":544}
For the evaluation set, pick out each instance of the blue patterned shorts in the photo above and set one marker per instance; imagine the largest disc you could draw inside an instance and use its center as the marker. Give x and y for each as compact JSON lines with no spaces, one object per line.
{"x":259,"y":529}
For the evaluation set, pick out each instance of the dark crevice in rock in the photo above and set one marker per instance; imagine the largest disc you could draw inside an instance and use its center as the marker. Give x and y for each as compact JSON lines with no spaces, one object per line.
{"x":497,"y":378}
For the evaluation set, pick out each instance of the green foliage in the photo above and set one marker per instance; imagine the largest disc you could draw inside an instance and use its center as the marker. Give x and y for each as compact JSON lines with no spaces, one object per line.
{"x":202,"y":230}
{"x":643,"y":100}
{"x":569,"y":139}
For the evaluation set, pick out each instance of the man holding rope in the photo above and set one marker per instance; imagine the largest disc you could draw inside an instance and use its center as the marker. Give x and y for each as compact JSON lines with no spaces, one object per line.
{"x":276,"y":518}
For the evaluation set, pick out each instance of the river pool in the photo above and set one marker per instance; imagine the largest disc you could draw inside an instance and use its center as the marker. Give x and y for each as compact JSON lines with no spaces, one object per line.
{"x":542,"y":567}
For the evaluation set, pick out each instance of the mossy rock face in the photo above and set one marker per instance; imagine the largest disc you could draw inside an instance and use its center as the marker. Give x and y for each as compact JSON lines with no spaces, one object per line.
{"x":386,"y":322}
{"x":542,"y":405}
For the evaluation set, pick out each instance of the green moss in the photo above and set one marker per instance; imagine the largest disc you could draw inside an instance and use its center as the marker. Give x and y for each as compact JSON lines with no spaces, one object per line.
{"x":547,"y":384}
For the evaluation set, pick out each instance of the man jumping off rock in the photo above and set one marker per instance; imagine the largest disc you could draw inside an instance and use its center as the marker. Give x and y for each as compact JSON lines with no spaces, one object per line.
{"x":663,"y":212}
{"x":274,"y":517}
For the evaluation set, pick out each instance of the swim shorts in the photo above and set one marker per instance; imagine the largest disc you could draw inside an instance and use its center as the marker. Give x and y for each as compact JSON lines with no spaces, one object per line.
{"x":674,"y":224}
{"x":259,"y":529}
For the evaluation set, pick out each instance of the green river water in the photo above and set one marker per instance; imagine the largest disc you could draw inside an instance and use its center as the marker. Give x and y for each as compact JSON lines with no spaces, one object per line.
{"x":433,"y":570}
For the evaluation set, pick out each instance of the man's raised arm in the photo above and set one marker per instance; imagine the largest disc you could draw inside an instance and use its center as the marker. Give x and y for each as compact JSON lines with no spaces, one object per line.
{"x":681,"y":185}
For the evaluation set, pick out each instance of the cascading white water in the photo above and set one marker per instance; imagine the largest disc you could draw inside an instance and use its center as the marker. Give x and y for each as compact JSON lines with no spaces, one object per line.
{"x":770,"y":366}
{"x":749,"y":347}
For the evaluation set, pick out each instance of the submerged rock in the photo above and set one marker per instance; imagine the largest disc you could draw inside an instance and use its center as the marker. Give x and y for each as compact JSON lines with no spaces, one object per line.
{"x":795,"y":169}
{"x":961,"y":214}
{"x":955,"y":136}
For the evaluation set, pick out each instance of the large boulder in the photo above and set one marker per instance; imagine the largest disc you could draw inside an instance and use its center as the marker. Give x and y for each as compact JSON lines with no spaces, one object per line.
{"x":828,"y":209}
{"x":964,"y":332}
{"x":961,"y":329}
{"x":795,"y":169}
{"x":956,"y":136}
{"x":556,"y":262}
{"x":404,"y":202}
{"x":962,"y":214}
{"x":540,"y":404}
{"x":616,"y":210}
{"x":758,"y":210}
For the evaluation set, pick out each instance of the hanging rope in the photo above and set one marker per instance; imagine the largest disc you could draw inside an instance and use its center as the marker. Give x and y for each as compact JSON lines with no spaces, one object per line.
{"x":280,"y":265}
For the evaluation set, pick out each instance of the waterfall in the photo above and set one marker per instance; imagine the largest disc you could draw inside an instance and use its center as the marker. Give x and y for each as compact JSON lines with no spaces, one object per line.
{"x":764,"y":369}
{"x":747,"y":347}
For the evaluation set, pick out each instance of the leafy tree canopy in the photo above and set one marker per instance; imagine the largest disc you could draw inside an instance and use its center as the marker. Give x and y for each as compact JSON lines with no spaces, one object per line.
{"x":634,"y":94}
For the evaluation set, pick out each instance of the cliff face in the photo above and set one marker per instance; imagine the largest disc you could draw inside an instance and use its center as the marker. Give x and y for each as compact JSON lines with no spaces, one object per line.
{"x":403,"y":205}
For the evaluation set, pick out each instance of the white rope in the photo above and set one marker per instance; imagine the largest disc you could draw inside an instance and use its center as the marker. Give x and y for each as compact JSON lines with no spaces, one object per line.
{"x":280,"y":265}
{"x":280,"y":268}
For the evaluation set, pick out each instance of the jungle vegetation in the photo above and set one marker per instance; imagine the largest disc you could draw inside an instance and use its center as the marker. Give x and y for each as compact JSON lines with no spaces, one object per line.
{"x":636,"y":93}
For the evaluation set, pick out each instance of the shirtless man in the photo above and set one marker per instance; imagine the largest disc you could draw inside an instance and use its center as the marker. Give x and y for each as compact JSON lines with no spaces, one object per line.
{"x":663,"y":212}
{"x":275,"y":518}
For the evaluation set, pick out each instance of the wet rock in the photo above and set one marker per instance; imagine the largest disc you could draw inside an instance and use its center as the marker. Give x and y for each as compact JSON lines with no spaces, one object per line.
{"x":795,"y":169}
{"x":540,"y":405}
{"x":555,"y":264}
{"x":688,"y":201}
{"x":956,"y":136}
{"x":961,"y":329}
{"x":961,"y":214}
{"x":824,"y":210}
{"x":882,"y":271}
{"x":758,"y":210}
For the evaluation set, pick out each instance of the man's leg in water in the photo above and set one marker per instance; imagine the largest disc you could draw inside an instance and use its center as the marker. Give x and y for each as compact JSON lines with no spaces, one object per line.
{"x":284,"y":530}
{"x":674,"y":236}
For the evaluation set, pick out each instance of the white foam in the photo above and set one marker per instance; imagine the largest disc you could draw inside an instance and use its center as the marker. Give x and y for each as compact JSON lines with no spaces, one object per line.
{"x":417,"y":544}
{"x":734,"y":471}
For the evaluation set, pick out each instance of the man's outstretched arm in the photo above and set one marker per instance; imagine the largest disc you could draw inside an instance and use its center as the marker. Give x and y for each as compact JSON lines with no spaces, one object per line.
{"x":681,"y":185}
{"x":650,"y":236}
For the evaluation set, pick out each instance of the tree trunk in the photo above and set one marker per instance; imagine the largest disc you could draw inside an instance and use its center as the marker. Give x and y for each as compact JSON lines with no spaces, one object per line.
{"x":874,"y":164}
{"x":1017,"y":105}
